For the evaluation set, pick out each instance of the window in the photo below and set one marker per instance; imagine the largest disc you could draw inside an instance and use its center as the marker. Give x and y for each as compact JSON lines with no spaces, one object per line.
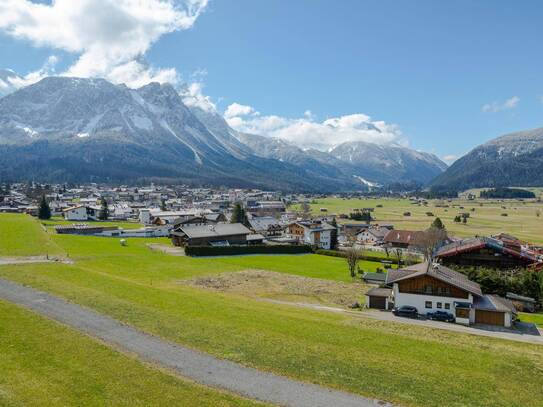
{"x":447,"y":306}
{"x":438,"y":305}
{"x":428,"y":289}
{"x":428,"y":304}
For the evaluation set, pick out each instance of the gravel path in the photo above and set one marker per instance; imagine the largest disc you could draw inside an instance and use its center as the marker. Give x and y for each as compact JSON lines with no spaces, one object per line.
{"x":194,"y":365}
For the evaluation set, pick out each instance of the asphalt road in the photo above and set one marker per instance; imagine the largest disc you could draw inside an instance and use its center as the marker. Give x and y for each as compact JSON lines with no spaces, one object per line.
{"x":200,"y":367}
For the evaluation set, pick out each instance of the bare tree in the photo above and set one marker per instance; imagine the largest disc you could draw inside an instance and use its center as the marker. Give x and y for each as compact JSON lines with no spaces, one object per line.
{"x":352,"y":255}
{"x":398,"y":253}
{"x":429,"y":241}
{"x":306,"y":210}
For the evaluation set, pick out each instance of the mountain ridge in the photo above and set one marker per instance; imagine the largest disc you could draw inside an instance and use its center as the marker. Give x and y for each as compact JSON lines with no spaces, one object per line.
{"x":513,"y":159}
{"x":153,"y":134}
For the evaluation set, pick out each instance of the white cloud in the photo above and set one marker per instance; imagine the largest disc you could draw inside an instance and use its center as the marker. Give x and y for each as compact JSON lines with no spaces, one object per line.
{"x":450,"y":158}
{"x":235,"y":109}
{"x":109,"y":36}
{"x":307,"y":132}
{"x":193,"y":96}
{"x":508,"y":104}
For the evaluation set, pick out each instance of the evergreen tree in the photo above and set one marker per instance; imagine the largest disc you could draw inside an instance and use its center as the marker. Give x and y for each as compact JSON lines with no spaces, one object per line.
{"x":437,"y":224}
{"x":163,"y":207}
{"x":44,"y":211}
{"x":104,"y":211}
{"x":333,"y":235}
{"x":238,"y":214}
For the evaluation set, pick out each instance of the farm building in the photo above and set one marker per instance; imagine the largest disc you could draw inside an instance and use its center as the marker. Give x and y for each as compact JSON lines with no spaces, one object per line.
{"x":221,"y":234}
{"x":493,"y":252}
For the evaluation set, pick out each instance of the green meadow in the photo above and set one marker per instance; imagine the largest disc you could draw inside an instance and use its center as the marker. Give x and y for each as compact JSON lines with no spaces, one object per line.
{"x":43,"y":363}
{"x":408,"y":365}
{"x":486,"y":218}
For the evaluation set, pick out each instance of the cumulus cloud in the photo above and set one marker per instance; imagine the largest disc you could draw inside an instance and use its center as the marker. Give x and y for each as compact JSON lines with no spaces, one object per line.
{"x":193,"y":96}
{"x":308,"y":132}
{"x":508,"y":104}
{"x":450,"y":158}
{"x":109,"y":36}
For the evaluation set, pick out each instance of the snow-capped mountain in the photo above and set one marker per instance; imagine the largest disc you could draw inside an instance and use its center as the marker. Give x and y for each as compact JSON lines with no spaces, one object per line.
{"x":515,"y":159}
{"x":7,"y":81}
{"x":388,"y":163}
{"x":368,"y":163}
{"x":71,"y":129}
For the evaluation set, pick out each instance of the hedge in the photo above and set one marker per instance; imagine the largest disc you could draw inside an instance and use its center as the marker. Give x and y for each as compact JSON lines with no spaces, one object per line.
{"x":200,"y":251}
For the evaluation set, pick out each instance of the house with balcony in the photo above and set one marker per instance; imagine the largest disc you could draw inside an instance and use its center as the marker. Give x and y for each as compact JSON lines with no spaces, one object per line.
{"x":431,"y":287}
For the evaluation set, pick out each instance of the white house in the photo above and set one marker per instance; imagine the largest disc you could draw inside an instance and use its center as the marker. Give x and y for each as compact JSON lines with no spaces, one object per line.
{"x":373,"y":235}
{"x":315,"y":233}
{"x":433,"y":287}
{"x":80,"y":213}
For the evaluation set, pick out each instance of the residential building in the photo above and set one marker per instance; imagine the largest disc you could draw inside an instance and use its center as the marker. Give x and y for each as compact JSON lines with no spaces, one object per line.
{"x":434,"y":287}
{"x":315,"y":233}
{"x":220,"y":234}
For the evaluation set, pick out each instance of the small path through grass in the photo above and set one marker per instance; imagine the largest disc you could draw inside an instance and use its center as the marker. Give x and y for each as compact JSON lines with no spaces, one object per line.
{"x":195,"y":365}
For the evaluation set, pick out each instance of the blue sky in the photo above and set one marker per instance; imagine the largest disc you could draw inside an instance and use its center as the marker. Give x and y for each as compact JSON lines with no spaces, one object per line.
{"x":450,"y":75}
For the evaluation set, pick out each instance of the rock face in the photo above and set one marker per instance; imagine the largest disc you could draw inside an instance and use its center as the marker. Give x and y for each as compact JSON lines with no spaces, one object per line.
{"x":514,"y":159}
{"x":70,"y":129}
{"x":81,"y":130}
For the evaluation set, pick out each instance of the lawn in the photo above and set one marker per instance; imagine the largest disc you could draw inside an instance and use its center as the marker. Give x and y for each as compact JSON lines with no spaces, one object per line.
{"x":57,"y":220}
{"x":408,"y":365}
{"x":522,"y":218}
{"x":306,"y":265}
{"x":536,"y":318}
{"x":43,"y":363}
{"x":22,"y":235}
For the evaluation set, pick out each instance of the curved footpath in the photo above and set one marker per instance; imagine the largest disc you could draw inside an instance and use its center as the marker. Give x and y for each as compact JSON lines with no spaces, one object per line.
{"x":200,"y":367}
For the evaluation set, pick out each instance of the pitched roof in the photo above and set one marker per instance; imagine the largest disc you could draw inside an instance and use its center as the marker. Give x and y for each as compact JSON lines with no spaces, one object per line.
{"x":374,"y":276}
{"x":476,"y":243}
{"x":437,"y":271}
{"x":403,"y":236}
{"x":494,"y":303}
{"x":218,"y":230}
{"x":379,"y":292}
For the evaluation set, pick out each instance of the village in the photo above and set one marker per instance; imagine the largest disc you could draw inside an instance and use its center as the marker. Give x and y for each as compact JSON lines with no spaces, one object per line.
{"x":416,"y":273}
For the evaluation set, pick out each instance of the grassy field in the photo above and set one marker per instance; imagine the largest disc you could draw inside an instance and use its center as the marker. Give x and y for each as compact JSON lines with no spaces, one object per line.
{"x":24,"y":236}
{"x":534,"y":318}
{"x":57,"y":220}
{"x":409,"y":365}
{"x":83,"y":372}
{"x":486,"y":218}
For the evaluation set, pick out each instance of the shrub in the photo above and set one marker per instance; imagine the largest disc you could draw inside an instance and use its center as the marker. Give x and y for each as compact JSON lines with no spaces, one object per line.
{"x":199,"y":251}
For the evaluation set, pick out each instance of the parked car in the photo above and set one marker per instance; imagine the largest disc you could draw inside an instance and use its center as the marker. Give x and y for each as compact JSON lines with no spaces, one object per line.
{"x":441,"y":316}
{"x":407,"y":311}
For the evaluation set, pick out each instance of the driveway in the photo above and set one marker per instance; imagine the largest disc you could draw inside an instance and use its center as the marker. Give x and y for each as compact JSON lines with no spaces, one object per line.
{"x":200,"y":367}
{"x":527,"y":333}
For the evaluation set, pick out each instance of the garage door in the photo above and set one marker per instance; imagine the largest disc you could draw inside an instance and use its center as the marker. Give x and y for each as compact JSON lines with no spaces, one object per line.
{"x":378,"y":302}
{"x":489,"y":317}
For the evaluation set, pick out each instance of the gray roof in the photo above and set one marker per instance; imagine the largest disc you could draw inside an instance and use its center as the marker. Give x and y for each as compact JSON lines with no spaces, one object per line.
{"x":437,"y":271}
{"x":218,"y":230}
{"x":264,"y":222}
{"x":516,"y":297}
{"x":494,"y":303}
{"x":379,"y":292}
{"x":375,"y":276}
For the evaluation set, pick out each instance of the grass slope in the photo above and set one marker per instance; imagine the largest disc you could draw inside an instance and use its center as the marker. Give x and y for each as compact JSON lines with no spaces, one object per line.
{"x":22,"y":235}
{"x":43,"y":363}
{"x":412,"y":366}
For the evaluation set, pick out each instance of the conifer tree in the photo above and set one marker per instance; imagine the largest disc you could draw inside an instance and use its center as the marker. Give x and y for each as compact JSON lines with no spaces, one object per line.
{"x":44,"y":211}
